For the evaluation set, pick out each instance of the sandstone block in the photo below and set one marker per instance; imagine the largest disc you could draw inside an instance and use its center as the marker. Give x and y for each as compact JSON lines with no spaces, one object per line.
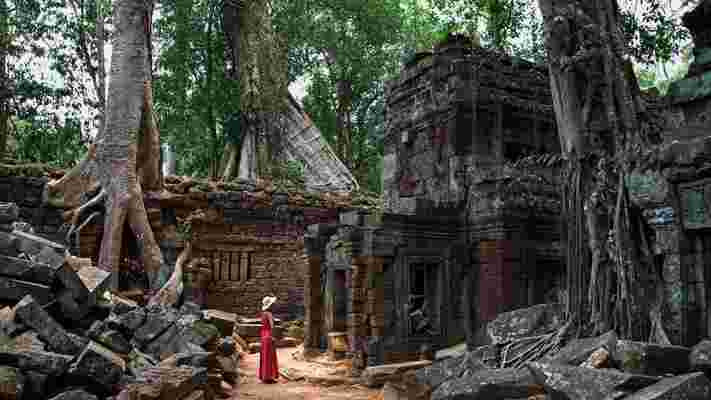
{"x":33,"y":315}
{"x":651,"y":359}
{"x":99,"y":364}
{"x":586,"y":383}
{"x":16,"y":289}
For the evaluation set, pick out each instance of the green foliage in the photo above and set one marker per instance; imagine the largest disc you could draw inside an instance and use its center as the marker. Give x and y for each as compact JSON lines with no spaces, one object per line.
{"x":195,"y":103}
{"x":654,"y":34}
{"x":49,"y":141}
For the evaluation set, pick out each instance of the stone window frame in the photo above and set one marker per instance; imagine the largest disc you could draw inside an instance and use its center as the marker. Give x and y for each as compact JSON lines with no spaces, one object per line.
{"x":438,"y":264}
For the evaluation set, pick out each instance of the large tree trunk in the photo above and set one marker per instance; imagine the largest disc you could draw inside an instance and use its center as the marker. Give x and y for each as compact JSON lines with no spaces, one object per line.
{"x":597,"y":110}
{"x":344,"y":129}
{"x":128,"y":121}
{"x":248,"y":156}
{"x":5,"y":90}
{"x":125,"y":157}
{"x":101,"y":70}
{"x":231,"y":25}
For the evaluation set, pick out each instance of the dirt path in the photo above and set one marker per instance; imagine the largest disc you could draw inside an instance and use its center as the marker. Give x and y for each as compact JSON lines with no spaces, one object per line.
{"x":250,"y":388}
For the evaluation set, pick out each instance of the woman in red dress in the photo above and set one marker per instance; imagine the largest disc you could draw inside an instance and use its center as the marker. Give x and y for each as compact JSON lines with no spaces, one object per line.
{"x":268,"y":367}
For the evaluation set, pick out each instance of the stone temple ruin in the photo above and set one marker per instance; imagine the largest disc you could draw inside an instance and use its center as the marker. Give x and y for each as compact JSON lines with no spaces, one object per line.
{"x":464,"y":234}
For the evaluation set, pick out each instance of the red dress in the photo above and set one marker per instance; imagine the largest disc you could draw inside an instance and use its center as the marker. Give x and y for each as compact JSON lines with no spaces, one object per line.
{"x":268,"y":368}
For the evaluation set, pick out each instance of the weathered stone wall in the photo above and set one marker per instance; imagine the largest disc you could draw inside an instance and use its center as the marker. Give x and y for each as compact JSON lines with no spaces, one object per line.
{"x":246,"y":267}
{"x":26,"y":192}
{"x":456,"y":110}
{"x":254,"y":248}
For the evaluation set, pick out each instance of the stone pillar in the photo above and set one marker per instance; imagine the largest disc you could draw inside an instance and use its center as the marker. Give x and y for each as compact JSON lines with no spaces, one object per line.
{"x":312,"y":303}
{"x":357,"y":320}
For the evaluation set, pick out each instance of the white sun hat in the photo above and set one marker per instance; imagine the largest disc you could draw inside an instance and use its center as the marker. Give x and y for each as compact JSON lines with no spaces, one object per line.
{"x":267,"y":302}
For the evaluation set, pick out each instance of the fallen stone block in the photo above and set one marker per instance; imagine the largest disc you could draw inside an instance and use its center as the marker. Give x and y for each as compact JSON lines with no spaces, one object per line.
{"x":200,"y":333}
{"x":70,"y":308}
{"x":651,"y":359}
{"x":168,"y":383}
{"x":532,"y":321}
{"x":12,"y":383}
{"x":33,"y":315}
{"x":36,"y":385}
{"x":75,"y":394}
{"x":700,"y":356}
{"x":21,"y":354}
{"x":115,"y":341}
{"x":587,"y":383}
{"x":27,"y":270}
{"x":29,"y":341}
{"x":99,"y":364}
{"x":122,"y":306}
{"x":224,"y":321}
{"x":578,"y":350}
{"x":32,"y":244}
{"x":158,"y":320}
{"x":378,"y":375}
{"x":138,"y":361}
{"x":190,"y":308}
{"x":8,"y":244}
{"x":490,"y":384}
{"x":163,"y":346}
{"x":15,"y":290}
{"x":127,"y":322}
{"x":9,"y":213}
{"x":443,"y":370}
{"x":96,"y":282}
{"x":12,"y":328}
{"x":693,"y":386}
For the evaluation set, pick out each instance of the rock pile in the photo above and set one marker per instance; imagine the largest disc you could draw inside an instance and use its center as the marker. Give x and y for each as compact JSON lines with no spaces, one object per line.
{"x":527,"y":358}
{"x":63,"y":335}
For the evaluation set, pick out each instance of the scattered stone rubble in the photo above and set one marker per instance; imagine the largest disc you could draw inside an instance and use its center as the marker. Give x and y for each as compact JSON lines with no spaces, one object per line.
{"x":551,"y":366}
{"x":63,"y":335}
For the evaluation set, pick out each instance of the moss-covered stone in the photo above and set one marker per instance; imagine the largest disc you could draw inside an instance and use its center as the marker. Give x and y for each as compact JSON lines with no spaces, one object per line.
{"x":632,"y":361}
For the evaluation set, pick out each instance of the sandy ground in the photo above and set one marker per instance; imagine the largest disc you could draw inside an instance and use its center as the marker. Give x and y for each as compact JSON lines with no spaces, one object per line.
{"x":250,"y":388}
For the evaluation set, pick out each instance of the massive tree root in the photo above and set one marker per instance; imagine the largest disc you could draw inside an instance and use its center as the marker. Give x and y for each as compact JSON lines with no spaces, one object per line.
{"x":125,"y":157}
{"x":598,"y":112}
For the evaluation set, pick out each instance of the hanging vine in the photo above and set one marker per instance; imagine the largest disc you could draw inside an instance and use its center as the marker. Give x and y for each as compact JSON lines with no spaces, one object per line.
{"x":602,"y":124}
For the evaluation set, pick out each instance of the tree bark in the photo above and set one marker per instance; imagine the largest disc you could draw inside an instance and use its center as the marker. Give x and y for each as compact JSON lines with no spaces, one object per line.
{"x":128,"y":122}
{"x":597,"y":107}
{"x":5,"y":89}
{"x":248,"y":156}
{"x":344,"y":128}
{"x":113,"y":160}
{"x":101,"y":70}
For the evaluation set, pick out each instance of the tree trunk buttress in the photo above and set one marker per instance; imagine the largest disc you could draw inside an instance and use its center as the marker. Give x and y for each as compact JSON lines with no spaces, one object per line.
{"x":117,"y":150}
{"x":596,"y":110}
